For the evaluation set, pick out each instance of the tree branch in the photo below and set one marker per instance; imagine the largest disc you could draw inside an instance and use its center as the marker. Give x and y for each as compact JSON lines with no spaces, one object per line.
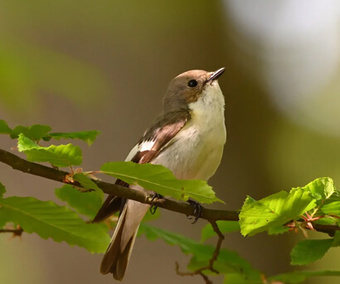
{"x":211,"y":215}
{"x":25,"y":166}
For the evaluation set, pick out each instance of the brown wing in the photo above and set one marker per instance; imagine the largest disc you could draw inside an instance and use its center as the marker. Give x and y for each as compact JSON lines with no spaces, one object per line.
{"x":159,"y":134}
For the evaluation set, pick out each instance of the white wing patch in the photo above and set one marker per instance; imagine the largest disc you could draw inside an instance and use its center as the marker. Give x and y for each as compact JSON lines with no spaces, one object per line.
{"x":140,"y":147}
{"x":146,"y":145}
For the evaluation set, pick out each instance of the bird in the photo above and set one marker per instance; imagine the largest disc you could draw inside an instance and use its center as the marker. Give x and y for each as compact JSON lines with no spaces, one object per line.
{"x":188,"y":138}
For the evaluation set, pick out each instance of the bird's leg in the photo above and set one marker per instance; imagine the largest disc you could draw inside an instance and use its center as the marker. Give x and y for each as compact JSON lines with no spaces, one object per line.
{"x":154,"y":207}
{"x":197,"y":210}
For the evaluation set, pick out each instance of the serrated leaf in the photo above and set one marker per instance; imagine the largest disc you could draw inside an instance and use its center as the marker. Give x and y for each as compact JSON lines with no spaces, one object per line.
{"x":86,"y":203}
{"x":274,"y":210}
{"x":256,"y":217}
{"x":87,"y":136}
{"x":224,"y":226}
{"x":297,"y":277}
{"x":227,"y":260}
{"x":321,"y":188}
{"x":50,"y":220}
{"x":2,"y":189}
{"x":59,"y":156}
{"x":25,"y":143}
{"x":308,"y":251}
{"x":34,"y":132}
{"x":4,"y":129}
{"x":327,"y":221}
{"x":161,"y":180}
{"x":332,"y":208}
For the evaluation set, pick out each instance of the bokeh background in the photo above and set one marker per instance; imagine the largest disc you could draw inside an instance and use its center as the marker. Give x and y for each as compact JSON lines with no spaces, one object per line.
{"x":83,"y":65}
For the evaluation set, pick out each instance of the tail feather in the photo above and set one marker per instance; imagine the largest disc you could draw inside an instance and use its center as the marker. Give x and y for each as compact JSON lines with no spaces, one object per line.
{"x":118,"y":271}
{"x":114,"y":249}
{"x":117,"y":256}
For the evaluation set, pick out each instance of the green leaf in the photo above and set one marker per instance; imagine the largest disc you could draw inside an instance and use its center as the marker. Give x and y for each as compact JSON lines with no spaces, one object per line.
{"x":34,"y":132}
{"x":25,"y":143}
{"x":297,"y":277}
{"x":332,"y":208}
{"x":38,"y":131}
{"x":188,"y":246}
{"x":59,"y":156}
{"x":274,"y":210}
{"x":336,"y":239}
{"x":277,"y":230}
{"x":3,"y":221}
{"x":327,"y":221}
{"x":2,"y":189}
{"x":86,"y":203}
{"x":227,"y":261}
{"x":308,"y":251}
{"x":49,"y":220}
{"x":161,"y":180}
{"x":321,"y":188}
{"x":224,"y":226}
{"x":4,"y":129}
{"x":87,"y":136}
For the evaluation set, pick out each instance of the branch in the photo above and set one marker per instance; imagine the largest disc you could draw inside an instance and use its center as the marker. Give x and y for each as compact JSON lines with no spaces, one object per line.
{"x":25,"y":166}
{"x":17,"y":232}
{"x":210,"y":266}
{"x":211,"y":215}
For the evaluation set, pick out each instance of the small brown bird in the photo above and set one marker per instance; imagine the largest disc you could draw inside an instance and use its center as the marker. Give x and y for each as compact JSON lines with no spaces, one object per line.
{"x":188,"y":138}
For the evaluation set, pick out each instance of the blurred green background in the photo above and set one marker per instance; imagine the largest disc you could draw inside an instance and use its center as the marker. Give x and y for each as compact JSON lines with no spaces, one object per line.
{"x":105,"y":65}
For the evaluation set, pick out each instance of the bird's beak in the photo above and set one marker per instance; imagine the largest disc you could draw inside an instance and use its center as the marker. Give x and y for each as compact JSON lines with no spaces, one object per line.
{"x":215,"y":75}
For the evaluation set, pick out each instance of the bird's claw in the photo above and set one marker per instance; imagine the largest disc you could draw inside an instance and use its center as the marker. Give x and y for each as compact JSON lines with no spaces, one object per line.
{"x":153,"y":207}
{"x":197,"y":211}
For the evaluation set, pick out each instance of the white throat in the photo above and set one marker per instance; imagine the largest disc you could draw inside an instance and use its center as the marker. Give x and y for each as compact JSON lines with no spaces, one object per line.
{"x":208,"y":110}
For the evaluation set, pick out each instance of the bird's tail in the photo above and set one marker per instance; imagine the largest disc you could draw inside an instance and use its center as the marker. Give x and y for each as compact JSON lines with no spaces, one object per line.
{"x":117,"y":256}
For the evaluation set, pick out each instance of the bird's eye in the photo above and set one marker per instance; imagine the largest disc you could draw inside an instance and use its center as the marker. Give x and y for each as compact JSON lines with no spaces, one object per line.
{"x":192,"y":83}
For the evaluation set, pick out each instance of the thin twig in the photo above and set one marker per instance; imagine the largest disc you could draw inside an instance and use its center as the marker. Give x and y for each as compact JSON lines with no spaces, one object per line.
{"x":218,"y":245}
{"x":214,"y":257}
{"x":16,"y":232}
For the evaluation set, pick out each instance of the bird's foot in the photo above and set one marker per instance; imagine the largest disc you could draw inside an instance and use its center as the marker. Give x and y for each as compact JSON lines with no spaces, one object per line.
{"x":197,"y":210}
{"x":155,"y":198}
